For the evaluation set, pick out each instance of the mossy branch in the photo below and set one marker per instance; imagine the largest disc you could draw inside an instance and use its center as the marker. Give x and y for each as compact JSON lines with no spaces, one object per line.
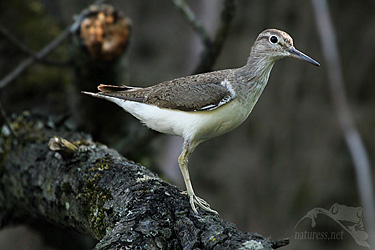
{"x":98,"y":192}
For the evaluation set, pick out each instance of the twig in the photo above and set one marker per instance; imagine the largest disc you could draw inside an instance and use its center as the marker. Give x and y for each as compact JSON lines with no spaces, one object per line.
{"x":210,"y":54}
{"x":14,"y":40}
{"x":351,"y":134}
{"x":27,"y":50}
{"x":45,"y":51}
{"x":29,"y":61}
{"x":212,"y":47}
{"x":280,"y":243}
{"x":64,"y":147}
{"x":197,"y":25}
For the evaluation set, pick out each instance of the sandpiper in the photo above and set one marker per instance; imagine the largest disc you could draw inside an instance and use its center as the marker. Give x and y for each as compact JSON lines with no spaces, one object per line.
{"x":203,"y":106}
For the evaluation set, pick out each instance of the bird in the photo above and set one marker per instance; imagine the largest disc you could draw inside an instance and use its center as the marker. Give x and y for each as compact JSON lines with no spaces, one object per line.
{"x":202,"y":106}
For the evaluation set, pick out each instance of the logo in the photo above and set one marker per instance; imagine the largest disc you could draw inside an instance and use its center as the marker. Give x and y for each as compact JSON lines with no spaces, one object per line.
{"x":350,"y":219}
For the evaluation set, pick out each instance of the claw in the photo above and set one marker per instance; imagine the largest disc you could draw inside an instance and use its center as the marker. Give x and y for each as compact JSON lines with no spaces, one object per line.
{"x":195,"y":200}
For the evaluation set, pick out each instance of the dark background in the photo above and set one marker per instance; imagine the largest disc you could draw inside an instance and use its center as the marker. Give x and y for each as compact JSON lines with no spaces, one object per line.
{"x":290,"y":155}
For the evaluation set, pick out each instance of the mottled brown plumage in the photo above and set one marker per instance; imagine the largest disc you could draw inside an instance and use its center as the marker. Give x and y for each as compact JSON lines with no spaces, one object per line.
{"x":189,"y":93}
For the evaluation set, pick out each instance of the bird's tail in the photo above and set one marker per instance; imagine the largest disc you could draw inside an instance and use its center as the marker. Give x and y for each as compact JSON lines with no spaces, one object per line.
{"x":113,"y":88}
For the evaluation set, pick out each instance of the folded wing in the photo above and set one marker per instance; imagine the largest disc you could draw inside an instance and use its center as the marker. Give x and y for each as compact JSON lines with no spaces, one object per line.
{"x":191,"y":93}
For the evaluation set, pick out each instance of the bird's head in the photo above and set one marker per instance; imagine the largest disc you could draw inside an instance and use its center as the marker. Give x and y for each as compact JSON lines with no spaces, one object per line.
{"x":275,"y":44}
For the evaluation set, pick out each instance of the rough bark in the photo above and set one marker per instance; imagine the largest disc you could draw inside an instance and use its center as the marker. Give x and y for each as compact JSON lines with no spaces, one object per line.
{"x":102,"y":194}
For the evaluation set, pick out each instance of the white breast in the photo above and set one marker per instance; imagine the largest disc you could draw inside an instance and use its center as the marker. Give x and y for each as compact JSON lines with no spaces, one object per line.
{"x":194,"y":125}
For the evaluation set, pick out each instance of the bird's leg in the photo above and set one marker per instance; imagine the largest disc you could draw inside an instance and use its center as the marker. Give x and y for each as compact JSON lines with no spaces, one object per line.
{"x":183,"y":163}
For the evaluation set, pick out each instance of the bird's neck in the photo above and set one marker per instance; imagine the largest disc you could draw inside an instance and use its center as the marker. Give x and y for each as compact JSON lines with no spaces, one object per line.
{"x":253,"y":77}
{"x":259,"y":67}
{"x":256,"y":71}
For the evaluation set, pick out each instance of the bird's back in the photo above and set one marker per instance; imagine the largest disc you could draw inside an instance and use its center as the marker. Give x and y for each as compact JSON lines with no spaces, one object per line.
{"x":189,"y":93}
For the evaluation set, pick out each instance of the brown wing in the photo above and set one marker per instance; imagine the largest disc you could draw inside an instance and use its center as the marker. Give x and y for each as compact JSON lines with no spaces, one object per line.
{"x":191,"y":93}
{"x":189,"y":98}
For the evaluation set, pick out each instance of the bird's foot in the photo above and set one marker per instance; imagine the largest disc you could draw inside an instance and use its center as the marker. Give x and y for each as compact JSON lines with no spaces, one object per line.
{"x":200,"y":202}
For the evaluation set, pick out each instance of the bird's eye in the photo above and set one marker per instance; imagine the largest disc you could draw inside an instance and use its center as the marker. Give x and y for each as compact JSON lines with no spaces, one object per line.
{"x":273,"y":39}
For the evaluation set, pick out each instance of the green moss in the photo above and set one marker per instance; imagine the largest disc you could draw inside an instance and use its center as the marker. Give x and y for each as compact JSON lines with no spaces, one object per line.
{"x":26,"y":131}
{"x":103,"y":164}
{"x":95,"y":197}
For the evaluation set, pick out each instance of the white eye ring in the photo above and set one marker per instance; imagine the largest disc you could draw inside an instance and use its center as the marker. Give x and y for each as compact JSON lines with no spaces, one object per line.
{"x":273,"y":39}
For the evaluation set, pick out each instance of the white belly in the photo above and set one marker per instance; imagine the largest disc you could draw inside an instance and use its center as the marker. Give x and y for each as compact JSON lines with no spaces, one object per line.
{"x":194,"y":125}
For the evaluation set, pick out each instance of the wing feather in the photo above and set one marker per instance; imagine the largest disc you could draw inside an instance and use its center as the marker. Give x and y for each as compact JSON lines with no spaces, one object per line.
{"x":190,"y":93}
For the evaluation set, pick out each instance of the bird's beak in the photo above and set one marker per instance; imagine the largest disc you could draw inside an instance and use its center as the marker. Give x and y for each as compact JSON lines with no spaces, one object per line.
{"x":299,"y":55}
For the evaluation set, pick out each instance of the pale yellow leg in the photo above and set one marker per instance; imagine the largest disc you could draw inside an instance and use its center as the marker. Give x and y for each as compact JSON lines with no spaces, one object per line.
{"x":183,"y":163}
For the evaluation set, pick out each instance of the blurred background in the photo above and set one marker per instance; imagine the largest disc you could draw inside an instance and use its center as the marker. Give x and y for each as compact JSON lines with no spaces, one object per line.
{"x":289,"y":156}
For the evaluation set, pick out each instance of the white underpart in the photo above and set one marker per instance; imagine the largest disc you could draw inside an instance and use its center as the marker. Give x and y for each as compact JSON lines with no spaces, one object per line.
{"x":196,"y":126}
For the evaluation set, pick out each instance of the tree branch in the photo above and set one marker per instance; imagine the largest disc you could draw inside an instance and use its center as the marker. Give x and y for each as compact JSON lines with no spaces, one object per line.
{"x":211,"y":52}
{"x":100,"y":193}
{"x":39,"y":56}
{"x":33,"y":58}
{"x":212,"y":47}
{"x":197,"y":25}
{"x":352,"y":136}
{"x":14,"y":40}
